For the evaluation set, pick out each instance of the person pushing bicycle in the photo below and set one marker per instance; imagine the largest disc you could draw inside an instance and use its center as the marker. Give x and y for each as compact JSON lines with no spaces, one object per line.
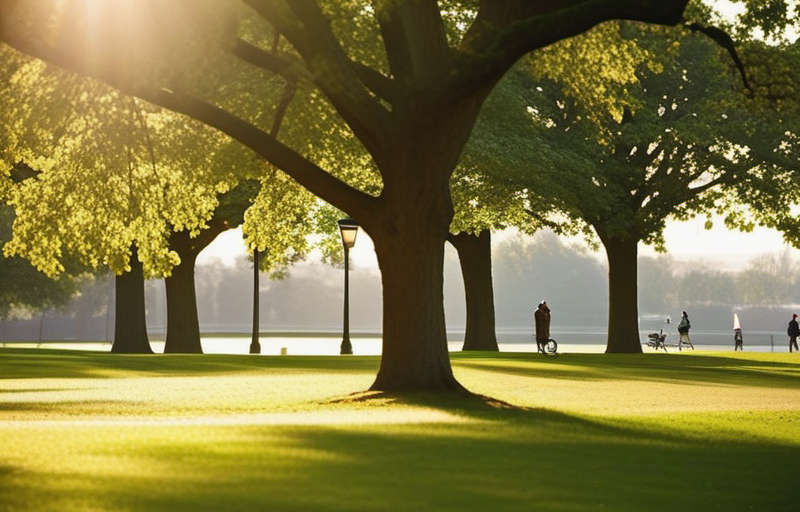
{"x":541,"y":318}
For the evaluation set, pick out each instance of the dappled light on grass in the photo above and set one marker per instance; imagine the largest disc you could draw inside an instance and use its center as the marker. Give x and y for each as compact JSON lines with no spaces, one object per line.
{"x":301,"y":418}
{"x":174,"y":396}
{"x":557,"y":461}
{"x":573,"y":433}
{"x":629,"y":397}
{"x":453,"y":401}
{"x":636,"y":384}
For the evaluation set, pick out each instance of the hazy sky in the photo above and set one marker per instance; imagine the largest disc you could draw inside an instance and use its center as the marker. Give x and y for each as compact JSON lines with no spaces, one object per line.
{"x":732,"y":249}
{"x":685,"y":241}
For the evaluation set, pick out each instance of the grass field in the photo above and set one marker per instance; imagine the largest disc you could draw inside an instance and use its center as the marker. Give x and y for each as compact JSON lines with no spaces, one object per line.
{"x":85,"y":431}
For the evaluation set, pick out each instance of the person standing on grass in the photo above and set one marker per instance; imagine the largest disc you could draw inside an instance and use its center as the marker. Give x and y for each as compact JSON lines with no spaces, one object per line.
{"x":683,"y":330}
{"x":793,"y":332}
{"x":541,"y":318}
{"x":738,"y":339}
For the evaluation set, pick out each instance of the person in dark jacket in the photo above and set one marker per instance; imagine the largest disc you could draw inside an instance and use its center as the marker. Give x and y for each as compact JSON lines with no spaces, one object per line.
{"x":738,"y":338}
{"x":541,"y":318}
{"x":793,"y":331}
{"x":683,"y":330}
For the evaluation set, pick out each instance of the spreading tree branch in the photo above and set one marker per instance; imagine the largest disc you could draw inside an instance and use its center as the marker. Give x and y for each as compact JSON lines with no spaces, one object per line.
{"x":309,"y":32}
{"x":316,"y":180}
{"x":724,"y":40}
{"x":505,"y":31}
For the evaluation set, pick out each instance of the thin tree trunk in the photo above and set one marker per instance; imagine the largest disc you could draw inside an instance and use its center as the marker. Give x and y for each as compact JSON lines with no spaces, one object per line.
{"x":623,"y":303}
{"x":111,"y":297}
{"x":475,"y":255}
{"x":255,"y":344}
{"x":130,"y":325}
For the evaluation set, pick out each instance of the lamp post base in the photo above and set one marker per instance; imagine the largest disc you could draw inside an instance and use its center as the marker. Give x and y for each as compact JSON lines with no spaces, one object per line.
{"x":255,"y":347}
{"x":347,"y":347}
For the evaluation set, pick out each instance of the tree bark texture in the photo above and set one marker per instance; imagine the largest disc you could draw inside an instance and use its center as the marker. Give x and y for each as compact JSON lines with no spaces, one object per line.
{"x":623,"y":301}
{"x":183,"y":325}
{"x":475,"y":256}
{"x":409,"y":226}
{"x":415,"y":355}
{"x":130,"y":327}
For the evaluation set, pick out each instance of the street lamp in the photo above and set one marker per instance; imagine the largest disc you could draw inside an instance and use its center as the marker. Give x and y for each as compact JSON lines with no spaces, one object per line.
{"x":348,"y":229}
{"x":255,"y":345}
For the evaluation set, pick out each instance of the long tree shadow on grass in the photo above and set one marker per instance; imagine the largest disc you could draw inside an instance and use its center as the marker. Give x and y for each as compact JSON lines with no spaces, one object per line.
{"x":507,"y":460}
{"x":676,"y":368}
{"x":549,"y":461}
{"x":484,"y":455}
{"x":22,"y":363}
{"x":505,"y":457}
{"x":25,"y":363}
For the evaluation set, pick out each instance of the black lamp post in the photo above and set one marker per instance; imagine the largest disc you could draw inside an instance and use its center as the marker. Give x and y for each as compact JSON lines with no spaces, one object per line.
{"x":348,"y":229}
{"x":255,"y":345}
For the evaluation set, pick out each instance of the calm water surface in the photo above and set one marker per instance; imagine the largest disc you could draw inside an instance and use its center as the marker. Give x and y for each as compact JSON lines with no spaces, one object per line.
{"x":322,"y":345}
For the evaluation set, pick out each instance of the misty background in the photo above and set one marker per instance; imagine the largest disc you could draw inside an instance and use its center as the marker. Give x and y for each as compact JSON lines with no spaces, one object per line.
{"x":526,"y":270}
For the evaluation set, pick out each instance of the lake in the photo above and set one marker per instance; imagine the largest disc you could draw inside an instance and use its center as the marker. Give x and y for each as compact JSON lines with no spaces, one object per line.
{"x":299,"y":344}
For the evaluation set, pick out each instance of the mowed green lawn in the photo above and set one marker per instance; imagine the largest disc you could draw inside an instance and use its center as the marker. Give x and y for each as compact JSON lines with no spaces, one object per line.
{"x":84,"y":431}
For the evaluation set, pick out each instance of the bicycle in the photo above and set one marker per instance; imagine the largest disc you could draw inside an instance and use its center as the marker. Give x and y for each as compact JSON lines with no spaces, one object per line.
{"x":548,"y":348}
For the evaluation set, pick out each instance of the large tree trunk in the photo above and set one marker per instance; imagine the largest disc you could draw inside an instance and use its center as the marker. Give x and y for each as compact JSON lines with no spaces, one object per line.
{"x":623,"y":303}
{"x":183,"y":326}
{"x":475,"y":255}
{"x":409,"y":226}
{"x":130,"y":327}
{"x":415,"y":355}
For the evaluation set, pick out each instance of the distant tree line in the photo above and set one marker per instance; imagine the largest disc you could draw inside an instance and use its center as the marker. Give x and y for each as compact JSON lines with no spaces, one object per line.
{"x":768,"y":280}
{"x":526,"y":271}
